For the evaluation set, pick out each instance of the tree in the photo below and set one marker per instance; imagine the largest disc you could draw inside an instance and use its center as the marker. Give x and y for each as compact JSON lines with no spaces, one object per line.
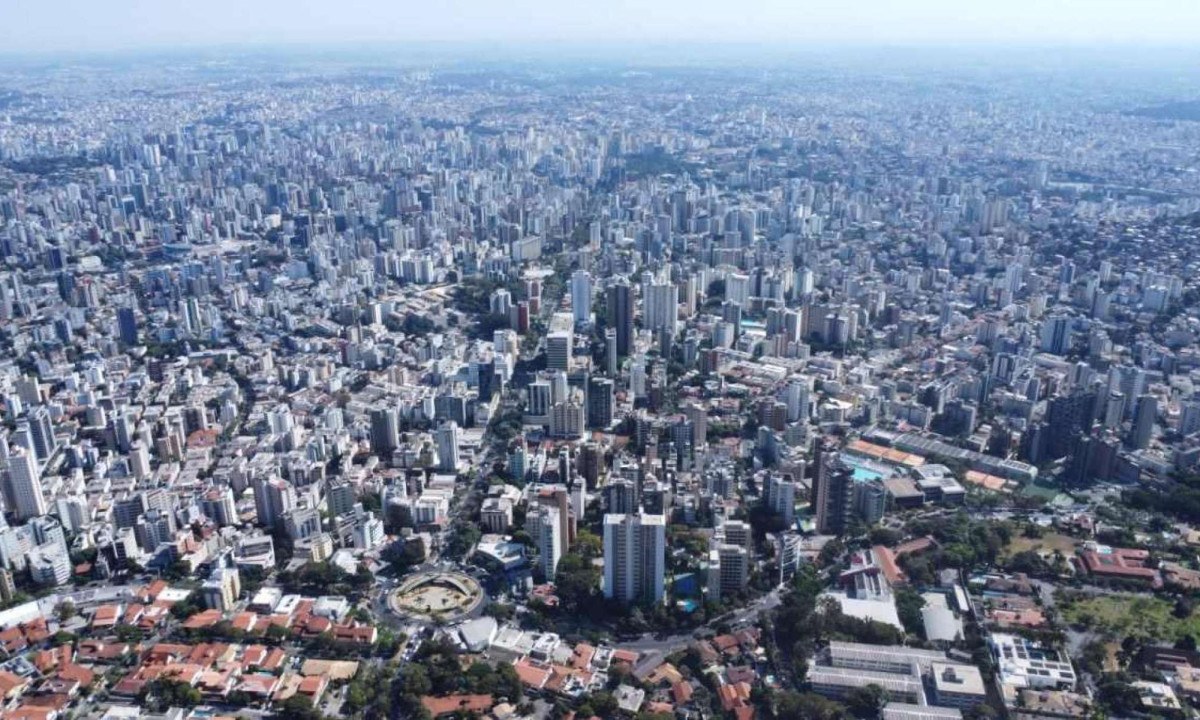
{"x":500,"y":611}
{"x":604,"y":704}
{"x":278,"y":632}
{"x":982,"y":711}
{"x":297,"y":707}
{"x":168,"y":692}
{"x":576,"y":580}
{"x":1091,"y":660}
{"x":189,"y":606}
{"x":1028,"y":562}
{"x":885,"y":536}
{"x":1121,"y":698}
{"x":588,"y":544}
{"x":866,"y":702}
{"x":1184,"y":607}
{"x":807,"y":705}
{"x":908,"y":606}
{"x":413,"y":679}
{"x":831,"y":552}
{"x":65,"y":611}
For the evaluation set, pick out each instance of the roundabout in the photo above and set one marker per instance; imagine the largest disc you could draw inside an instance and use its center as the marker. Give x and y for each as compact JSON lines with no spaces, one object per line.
{"x":441,"y":595}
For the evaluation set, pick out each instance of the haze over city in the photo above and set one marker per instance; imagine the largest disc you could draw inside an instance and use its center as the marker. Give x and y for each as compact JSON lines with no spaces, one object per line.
{"x":79,"y":25}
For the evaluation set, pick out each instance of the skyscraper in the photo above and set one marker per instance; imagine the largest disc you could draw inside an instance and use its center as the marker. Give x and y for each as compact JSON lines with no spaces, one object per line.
{"x":620,"y":314}
{"x":661,"y":311}
{"x":544,"y":526}
{"x":24,"y":486}
{"x":558,"y":497}
{"x":581,"y":296}
{"x":728,"y":571}
{"x":1143,"y":422}
{"x":699,"y":417}
{"x":1056,"y":334}
{"x":833,"y":493}
{"x":385,"y":431}
{"x":634,"y":558}
{"x":447,"y":446}
{"x":780,"y":497}
{"x":611,"y":362}
{"x":127,"y":326}
{"x":558,"y":350}
{"x":799,"y":391}
{"x":41,"y":429}
{"x":589,"y":462}
{"x":600,"y":402}
{"x":273,"y":498}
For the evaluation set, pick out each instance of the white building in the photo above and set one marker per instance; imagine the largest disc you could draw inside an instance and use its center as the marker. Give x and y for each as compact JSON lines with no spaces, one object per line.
{"x":544,"y":526}
{"x":25,"y":484}
{"x":635,"y":558}
{"x":1024,"y":664}
{"x":368,"y":532}
{"x":567,"y":419}
{"x":661,"y":311}
{"x":496,"y":514}
{"x":780,"y":495}
{"x":49,"y":565}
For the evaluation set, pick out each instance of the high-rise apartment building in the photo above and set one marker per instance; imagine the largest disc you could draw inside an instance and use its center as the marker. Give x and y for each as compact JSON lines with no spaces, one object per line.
{"x":544,"y":526}
{"x":24,"y":486}
{"x":634,"y":558}
{"x":620,"y":314}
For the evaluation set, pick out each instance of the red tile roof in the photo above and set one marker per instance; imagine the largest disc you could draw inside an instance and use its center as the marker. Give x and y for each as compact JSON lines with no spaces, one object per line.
{"x":438,"y":706}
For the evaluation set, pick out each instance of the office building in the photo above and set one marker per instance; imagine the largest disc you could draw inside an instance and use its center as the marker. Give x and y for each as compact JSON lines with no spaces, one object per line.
{"x":385,"y":431}
{"x":581,"y":296}
{"x":1144,"y":417}
{"x":41,"y":430}
{"x":127,"y":326}
{"x":601,"y":399}
{"x":1056,"y":334}
{"x":448,"y":441}
{"x":619,"y":297}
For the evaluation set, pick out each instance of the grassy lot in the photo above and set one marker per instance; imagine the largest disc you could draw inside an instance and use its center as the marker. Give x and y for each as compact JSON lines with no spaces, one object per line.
{"x":1119,"y":615}
{"x":1046,"y":543}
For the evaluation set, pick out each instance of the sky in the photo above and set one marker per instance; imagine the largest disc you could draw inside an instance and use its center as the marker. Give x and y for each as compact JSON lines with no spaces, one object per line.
{"x":54,"y":26}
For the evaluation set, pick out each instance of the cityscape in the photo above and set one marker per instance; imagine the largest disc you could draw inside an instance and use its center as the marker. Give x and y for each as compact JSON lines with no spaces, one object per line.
{"x":758,"y":385}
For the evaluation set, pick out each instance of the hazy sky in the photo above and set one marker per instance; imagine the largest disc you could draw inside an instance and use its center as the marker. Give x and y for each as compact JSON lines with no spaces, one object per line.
{"x":55,"y":25}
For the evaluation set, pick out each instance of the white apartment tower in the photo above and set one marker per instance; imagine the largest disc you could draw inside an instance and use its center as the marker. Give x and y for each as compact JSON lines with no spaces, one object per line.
{"x":635,"y":558}
{"x":544,"y":525}
{"x":25,"y":484}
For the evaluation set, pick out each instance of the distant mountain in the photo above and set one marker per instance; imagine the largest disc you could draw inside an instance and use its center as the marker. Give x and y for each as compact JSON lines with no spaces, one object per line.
{"x":1184,"y":110}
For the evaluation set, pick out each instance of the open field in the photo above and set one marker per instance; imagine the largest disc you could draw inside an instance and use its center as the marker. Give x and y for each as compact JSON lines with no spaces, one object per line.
{"x":1121,"y":615}
{"x":1048,"y":542}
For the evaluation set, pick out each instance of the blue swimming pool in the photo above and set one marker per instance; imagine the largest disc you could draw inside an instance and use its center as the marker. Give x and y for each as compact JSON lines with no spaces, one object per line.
{"x":862,"y":474}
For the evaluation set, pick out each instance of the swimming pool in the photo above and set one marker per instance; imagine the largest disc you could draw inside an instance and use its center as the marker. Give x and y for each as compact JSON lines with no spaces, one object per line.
{"x":864,"y":470}
{"x":862,"y":474}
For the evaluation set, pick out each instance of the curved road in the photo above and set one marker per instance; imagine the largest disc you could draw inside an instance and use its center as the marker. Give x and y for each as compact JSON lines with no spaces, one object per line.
{"x":678,"y":641}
